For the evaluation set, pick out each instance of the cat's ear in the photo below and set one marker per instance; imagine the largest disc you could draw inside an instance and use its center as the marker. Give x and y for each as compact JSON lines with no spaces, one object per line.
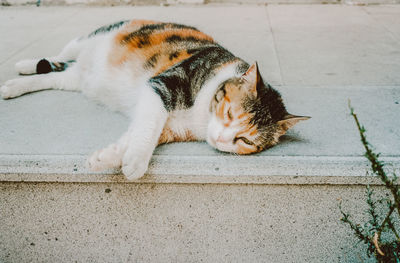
{"x":252,"y":77}
{"x":289,"y":120}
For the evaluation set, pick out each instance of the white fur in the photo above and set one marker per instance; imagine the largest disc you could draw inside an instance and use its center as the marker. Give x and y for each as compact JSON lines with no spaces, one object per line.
{"x":148,"y":122}
{"x":222,"y":137}
{"x":69,"y":52}
{"x":67,"y":80}
{"x":218,"y":135}
{"x":124,"y":90}
{"x":26,"y":67}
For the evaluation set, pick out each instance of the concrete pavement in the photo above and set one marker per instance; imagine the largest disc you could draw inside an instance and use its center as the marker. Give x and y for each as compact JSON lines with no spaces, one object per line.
{"x":319,"y":57}
{"x":276,"y":206}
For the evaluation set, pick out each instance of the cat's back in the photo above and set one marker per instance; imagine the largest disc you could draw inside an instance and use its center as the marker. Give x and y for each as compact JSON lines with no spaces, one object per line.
{"x":154,"y":47}
{"x":175,"y":59}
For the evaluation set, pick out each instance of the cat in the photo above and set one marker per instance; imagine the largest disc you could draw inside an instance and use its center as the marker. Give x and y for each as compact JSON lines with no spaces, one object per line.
{"x":176,"y":84}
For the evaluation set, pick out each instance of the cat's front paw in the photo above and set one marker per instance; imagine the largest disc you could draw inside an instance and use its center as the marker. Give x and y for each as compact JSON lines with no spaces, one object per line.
{"x":106,"y":158}
{"x":134,"y":166}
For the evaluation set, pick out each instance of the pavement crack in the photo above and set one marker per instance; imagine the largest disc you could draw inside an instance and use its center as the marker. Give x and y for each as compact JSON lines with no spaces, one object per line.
{"x":379,"y":23}
{"x":274,"y":44}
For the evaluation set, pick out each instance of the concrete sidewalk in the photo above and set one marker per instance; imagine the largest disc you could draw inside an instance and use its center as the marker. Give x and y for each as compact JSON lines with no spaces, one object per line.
{"x":317,"y":56}
{"x":276,"y":206}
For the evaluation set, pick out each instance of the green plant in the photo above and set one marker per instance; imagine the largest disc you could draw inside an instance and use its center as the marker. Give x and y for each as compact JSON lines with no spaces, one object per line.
{"x":385,"y":249}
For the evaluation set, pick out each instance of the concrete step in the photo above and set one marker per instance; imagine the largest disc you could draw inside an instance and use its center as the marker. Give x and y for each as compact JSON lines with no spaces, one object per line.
{"x":190,"y":2}
{"x":197,"y":204}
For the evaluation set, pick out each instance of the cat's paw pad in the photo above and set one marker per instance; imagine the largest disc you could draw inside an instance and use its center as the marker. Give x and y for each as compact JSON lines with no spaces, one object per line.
{"x":26,"y":67}
{"x":134,"y":167}
{"x":104,"y":159}
{"x":10,"y":89}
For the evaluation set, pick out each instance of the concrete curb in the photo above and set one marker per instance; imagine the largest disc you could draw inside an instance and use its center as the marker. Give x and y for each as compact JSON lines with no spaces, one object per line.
{"x":189,"y":2}
{"x":200,"y":170}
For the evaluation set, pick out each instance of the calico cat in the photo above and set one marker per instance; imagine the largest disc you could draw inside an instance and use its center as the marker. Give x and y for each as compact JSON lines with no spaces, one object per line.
{"x":176,"y":84}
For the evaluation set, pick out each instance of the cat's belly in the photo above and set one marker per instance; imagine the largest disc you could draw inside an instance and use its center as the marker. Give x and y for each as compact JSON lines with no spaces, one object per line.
{"x":182,"y":126}
{"x":117,"y":87}
{"x":116,"y":90}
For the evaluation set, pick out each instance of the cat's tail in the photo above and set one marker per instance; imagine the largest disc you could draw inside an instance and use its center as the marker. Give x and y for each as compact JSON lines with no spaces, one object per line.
{"x":44,"y":66}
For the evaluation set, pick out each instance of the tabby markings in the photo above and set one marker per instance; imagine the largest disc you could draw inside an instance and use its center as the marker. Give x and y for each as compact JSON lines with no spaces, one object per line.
{"x":159,"y":45}
{"x":151,"y":62}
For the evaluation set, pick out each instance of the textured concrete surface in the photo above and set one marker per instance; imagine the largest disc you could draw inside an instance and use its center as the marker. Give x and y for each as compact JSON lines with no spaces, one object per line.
{"x":196,"y":204}
{"x":318,"y":59}
{"x":193,"y":2}
{"x":79,"y":126}
{"x":178,"y":223}
{"x":334,"y":45}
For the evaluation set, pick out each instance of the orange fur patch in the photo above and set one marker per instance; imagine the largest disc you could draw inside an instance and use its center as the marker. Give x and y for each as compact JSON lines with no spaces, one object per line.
{"x":153,"y":47}
{"x":165,"y":62}
{"x":160,"y":36}
{"x":248,"y":131}
{"x":254,"y":132}
{"x":135,"y":24}
{"x":221,"y":110}
{"x":242,"y":115}
{"x":244,"y":148}
{"x":168,"y":136}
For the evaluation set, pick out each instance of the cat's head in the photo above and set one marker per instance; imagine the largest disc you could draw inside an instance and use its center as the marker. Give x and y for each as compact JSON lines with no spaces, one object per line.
{"x":248,"y":115}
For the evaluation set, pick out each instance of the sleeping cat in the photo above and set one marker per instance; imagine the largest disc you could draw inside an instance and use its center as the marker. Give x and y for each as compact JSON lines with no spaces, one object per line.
{"x":176,"y":84}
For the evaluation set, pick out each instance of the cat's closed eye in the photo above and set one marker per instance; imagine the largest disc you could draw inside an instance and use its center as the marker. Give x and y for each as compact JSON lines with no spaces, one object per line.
{"x":229,"y":113}
{"x":219,"y":95}
{"x":244,"y":139}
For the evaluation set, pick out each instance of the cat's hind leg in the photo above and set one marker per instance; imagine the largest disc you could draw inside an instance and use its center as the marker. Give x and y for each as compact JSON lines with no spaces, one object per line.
{"x":66,"y":80}
{"x":57,"y":63}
